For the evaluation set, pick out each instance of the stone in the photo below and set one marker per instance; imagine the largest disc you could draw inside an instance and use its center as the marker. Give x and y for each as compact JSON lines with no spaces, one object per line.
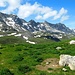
{"x":58,"y":48}
{"x":67,"y":60}
{"x":64,"y":69}
{"x":47,"y":63}
{"x":72,"y":42}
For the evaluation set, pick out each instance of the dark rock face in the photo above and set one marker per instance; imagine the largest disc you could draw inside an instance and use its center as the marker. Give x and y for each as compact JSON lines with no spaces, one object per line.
{"x":52,"y":38}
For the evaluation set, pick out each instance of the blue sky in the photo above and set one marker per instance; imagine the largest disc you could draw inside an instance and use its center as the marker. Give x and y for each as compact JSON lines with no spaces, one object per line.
{"x":53,"y":11}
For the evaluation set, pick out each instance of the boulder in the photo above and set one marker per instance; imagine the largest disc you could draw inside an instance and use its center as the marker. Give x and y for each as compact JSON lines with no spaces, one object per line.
{"x":64,"y":60}
{"x":72,"y":42}
{"x":47,"y":63}
{"x":72,"y":63}
{"x":58,"y":48}
{"x":64,"y":69}
{"x":72,"y":66}
{"x":67,"y":60}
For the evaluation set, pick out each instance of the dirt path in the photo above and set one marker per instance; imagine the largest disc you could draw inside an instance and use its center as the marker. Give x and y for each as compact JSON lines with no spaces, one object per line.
{"x":49,"y":65}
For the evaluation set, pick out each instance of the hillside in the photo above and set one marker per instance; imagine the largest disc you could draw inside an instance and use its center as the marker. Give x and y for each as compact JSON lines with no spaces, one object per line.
{"x":23,"y":59}
{"x":13,"y":25}
{"x":30,"y":48}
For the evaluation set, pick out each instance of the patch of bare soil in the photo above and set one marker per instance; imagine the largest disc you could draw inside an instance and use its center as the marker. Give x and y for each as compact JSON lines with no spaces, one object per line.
{"x":49,"y":65}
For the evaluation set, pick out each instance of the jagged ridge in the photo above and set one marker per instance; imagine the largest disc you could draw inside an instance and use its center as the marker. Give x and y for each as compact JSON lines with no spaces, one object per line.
{"x":12,"y":23}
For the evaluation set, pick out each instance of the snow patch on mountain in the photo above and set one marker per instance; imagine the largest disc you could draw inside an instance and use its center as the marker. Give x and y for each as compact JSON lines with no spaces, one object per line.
{"x":30,"y":42}
{"x":11,"y":34}
{"x":25,"y":37}
{"x":9,"y":18}
{"x":37,"y":36}
{"x":25,"y":24}
{"x":18,"y":34}
{"x":23,"y":29}
{"x":1,"y":35}
{"x":10,"y":22}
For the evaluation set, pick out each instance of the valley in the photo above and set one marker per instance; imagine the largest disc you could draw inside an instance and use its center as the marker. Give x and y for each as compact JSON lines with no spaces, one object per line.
{"x":33,"y":48}
{"x":17,"y":57}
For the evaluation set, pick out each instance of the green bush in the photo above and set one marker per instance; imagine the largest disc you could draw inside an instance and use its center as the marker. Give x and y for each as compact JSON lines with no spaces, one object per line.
{"x":24,"y":68}
{"x":6,"y":72}
{"x":50,"y":69}
{"x":18,"y":58}
{"x":0,"y":53}
{"x":39,"y":59}
{"x":1,"y":47}
{"x":43,"y":73}
{"x":18,"y":49}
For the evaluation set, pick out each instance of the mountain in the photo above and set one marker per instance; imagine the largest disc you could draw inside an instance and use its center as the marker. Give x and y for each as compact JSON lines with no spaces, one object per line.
{"x":73,"y":30}
{"x":10,"y":23}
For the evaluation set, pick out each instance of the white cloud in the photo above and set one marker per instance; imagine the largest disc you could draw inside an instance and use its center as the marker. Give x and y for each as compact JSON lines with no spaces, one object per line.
{"x":2,"y":3}
{"x":63,"y":18}
{"x":12,"y":5}
{"x":26,"y":10}
{"x":38,"y":17}
{"x":49,"y":14}
{"x":60,"y":14}
{"x":46,"y":15}
{"x":42,"y":12}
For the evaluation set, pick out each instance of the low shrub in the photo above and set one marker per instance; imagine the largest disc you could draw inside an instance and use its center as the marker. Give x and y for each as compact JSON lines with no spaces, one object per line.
{"x":43,"y":73}
{"x":39,"y":59}
{"x":50,"y":69}
{"x":0,"y":53}
{"x":24,"y":68}
{"x":6,"y":71}
{"x":18,"y":49}
{"x":18,"y":58}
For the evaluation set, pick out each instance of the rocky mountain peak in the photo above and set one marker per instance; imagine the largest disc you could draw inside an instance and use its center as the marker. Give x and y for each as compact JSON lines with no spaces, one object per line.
{"x":32,"y":22}
{"x":10,"y":22}
{"x":46,"y":22}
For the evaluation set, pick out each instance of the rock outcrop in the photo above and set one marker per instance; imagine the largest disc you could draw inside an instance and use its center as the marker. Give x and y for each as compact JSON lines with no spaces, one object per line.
{"x":72,"y":42}
{"x":67,"y":60}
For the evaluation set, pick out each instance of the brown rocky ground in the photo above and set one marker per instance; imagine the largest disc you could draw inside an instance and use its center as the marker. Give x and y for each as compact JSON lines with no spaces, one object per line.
{"x":49,"y":65}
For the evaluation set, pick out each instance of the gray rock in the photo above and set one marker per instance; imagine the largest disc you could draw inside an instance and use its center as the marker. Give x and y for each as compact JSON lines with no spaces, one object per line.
{"x":67,"y":60}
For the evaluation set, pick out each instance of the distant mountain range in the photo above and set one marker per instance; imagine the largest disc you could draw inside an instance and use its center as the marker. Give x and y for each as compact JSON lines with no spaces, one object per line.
{"x":12,"y":23}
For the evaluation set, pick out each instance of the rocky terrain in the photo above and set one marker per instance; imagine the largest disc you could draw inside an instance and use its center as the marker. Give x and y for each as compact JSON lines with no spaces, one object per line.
{"x":13,"y":25}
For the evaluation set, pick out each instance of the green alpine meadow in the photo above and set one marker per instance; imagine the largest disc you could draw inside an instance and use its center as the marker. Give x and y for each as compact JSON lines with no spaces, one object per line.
{"x":37,"y":37}
{"x":21,"y":58}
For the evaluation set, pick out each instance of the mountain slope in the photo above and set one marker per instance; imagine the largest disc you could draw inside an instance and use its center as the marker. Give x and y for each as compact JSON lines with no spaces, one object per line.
{"x":12,"y":23}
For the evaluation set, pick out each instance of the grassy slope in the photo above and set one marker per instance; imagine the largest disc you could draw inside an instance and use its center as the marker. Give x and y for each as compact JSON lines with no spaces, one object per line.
{"x":11,"y":40}
{"x":14,"y":55}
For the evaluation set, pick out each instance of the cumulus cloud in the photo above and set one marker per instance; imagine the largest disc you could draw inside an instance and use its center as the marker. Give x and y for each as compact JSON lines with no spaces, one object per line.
{"x":42,"y":12}
{"x":12,"y":5}
{"x":38,"y":17}
{"x":26,"y":10}
{"x":46,"y":15}
{"x":61,"y":13}
{"x":2,"y":3}
{"x":49,"y":14}
{"x":63,"y":18}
